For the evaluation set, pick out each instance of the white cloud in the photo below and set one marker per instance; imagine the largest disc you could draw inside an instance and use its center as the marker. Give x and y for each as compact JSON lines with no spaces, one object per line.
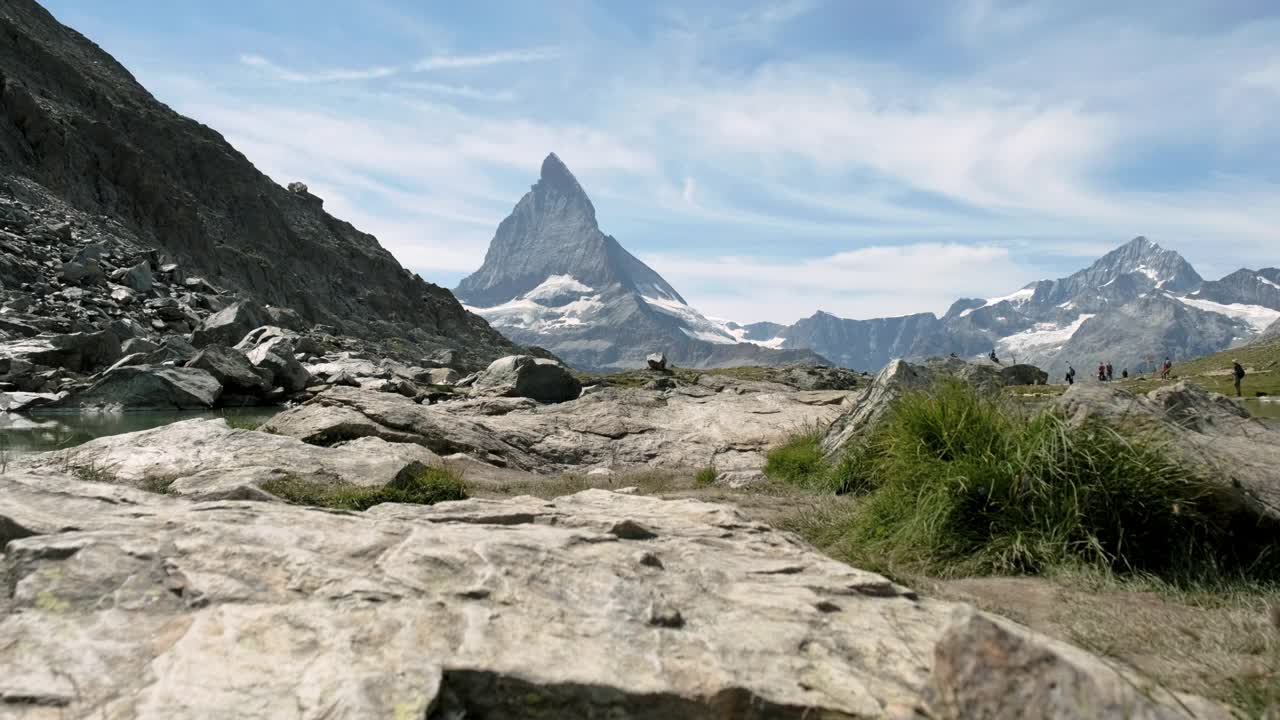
{"x":462,"y":91}
{"x":337,"y":75}
{"x":868,"y":282}
{"x":505,"y":57}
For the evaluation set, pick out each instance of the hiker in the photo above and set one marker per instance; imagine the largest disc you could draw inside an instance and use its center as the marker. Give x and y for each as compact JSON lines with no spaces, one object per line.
{"x":1111,"y":373}
{"x":1102,"y":372}
{"x":1237,"y":370}
{"x":1165,"y":369}
{"x":1124,"y":374}
{"x":1071,"y":375}
{"x":993,"y":357}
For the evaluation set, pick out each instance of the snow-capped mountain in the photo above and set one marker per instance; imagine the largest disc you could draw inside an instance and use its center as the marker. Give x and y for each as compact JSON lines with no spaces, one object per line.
{"x":552,"y":278}
{"x":1135,"y":305}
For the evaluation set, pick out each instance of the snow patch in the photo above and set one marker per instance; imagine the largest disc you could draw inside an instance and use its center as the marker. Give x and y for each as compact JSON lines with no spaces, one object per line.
{"x":1016,"y":298}
{"x":1258,"y":316}
{"x":696,"y":325}
{"x":1042,"y":336}
{"x":1265,"y":280}
{"x":557,"y":286}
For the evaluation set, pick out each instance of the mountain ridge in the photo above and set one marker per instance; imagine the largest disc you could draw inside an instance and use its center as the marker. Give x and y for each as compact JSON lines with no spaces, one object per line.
{"x":77,"y":127}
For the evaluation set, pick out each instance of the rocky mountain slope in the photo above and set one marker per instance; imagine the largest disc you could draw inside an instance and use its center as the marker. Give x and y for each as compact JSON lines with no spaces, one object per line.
{"x":80,"y":137}
{"x":553,"y":279}
{"x":1132,"y":307}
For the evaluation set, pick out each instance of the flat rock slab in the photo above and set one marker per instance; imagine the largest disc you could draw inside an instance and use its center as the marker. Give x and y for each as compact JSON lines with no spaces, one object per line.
{"x":615,"y":428}
{"x":124,"y":604}
{"x":206,"y":458}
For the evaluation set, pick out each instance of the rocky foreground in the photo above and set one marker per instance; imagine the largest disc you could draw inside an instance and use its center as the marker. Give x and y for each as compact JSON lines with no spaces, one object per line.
{"x":125,"y":604}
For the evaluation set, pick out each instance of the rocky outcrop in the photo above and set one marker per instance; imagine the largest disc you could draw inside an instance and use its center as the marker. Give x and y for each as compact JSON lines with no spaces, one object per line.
{"x":78,"y":352}
{"x":1023,"y":374}
{"x":1206,"y":429}
{"x":656,"y":361}
{"x":126,"y":604}
{"x":146,"y":387}
{"x":546,"y":381}
{"x":205,"y":458}
{"x":725,"y":423}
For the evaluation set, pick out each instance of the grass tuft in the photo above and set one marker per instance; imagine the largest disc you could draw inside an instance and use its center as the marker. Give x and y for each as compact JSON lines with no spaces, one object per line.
{"x":237,"y":422}
{"x":798,"y":460}
{"x":706,"y":476}
{"x":433,"y":485}
{"x":961,"y":483}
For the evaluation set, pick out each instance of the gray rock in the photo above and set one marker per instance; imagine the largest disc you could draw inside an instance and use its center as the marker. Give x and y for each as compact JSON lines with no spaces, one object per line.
{"x":524,"y":376}
{"x":139,"y":277}
{"x":686,"y":428}
{"x":88,"y":272}
{"x":285,"y":318}
{"x":123,"y":295}
{"x":440,"y":376}
{"x":128,"y":604}
{"x":656,"y":361}
{"x":147,"y":387}
{"x":1023,"y":375}
{"x":205,"y":458}
{"x":232,"y":370}
{"x":873,"y":403}
{"x":276,"y":356}
{"x":230,"y":325}
{"x":138,"y":345}
{"x":22,"y":401}
{"x":79,"y":352}
{"x":1206,"y":429}
{"x":987,"y":667}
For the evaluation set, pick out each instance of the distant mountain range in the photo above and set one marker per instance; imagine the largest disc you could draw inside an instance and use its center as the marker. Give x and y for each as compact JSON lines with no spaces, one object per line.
{"x":1132,"y":307}
{"x":552,"y":278}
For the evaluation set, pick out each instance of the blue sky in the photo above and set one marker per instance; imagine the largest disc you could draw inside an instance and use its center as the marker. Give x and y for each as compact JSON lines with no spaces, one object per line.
{"x":769,"y":159}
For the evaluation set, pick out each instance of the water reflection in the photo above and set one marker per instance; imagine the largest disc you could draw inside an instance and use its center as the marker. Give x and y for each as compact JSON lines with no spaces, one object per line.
{"x":1264,"y":407}
{"x":27,"y":434}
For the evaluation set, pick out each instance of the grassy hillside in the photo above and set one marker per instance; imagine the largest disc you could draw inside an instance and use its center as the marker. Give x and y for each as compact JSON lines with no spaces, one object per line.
{"x":1212,"y":372}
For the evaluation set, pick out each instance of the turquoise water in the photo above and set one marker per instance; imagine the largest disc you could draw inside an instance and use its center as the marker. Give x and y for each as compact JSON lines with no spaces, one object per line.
{"x":26,"y":434}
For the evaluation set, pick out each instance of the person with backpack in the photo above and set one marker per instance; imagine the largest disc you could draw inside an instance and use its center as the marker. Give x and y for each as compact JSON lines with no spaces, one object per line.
{"x":1071,"y":375}
{"x":1102,"y":372}
{"x":1237,"y":371}
{"x":1166,"y":369}
{"x":1111,"y":373}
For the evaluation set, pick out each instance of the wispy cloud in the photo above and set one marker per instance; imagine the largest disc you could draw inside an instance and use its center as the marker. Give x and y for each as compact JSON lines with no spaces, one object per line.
{"x":322,"y":76}
{"x":462,"y":91}
{"x":506,"y":57}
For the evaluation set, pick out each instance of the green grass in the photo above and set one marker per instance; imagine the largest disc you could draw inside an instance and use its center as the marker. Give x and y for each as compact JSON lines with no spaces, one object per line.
{"x":706,"y":476}
{"x":798,"y":460}
{"x":958,"y":483}
{"x":236,"y":422}
{"x":93,"y":472}
{"x":431,"y":486}
{"x":159,"y":484}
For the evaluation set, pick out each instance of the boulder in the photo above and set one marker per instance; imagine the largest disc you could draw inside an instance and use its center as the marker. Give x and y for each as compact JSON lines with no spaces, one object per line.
{"x":276,"y":357}
{"x":440,"y":376}
{"x":1023,"y":374}
{"x":1206,"y":429}
{"x":232,"y":370}
{"x":546,"y":381}
{"x":988,"y":667}
{"x":286,"y":318}
{"x":139,"y":277}
{"x":873,"y":403}
{"x":229,"y":325}
{"x":138,"y":345}
{"x":656,"y":361}
{"x":147,"y":387}
{"x":87,"y":272}
{"x":78,"y":352}
{"x":123,"y":295}
{"x":123,"y":603}
{"x":23,"y":401}
{"x":206,"y":458}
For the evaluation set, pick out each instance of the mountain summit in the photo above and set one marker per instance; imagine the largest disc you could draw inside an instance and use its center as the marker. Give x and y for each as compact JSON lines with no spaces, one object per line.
{"x":553,"y":232}
{"x":552,"y":278}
